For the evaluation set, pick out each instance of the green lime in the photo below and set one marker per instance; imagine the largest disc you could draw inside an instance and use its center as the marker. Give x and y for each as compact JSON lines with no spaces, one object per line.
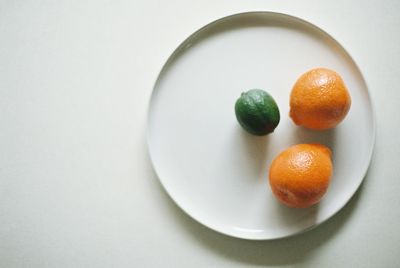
{"x":257,"y":112}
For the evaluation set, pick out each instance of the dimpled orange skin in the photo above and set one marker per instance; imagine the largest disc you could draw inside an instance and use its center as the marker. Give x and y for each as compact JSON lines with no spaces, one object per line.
{"x":300,"y":175}
{"x":319,"y":99}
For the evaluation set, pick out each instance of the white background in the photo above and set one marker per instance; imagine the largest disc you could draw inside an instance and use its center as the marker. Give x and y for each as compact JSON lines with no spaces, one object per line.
{"x":76,"y":185}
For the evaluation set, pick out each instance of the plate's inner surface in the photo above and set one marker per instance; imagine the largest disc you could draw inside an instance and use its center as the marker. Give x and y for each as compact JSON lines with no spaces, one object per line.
{"x":214,"y":170}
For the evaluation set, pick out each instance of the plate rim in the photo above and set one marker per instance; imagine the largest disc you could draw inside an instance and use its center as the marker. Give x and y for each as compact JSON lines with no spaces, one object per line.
{"x":178,"y":49}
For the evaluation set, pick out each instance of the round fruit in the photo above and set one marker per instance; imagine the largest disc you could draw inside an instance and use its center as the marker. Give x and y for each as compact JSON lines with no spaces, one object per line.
{"x":257,"y":112}
{"x":319,"y":99}
{"x":300,"y":175}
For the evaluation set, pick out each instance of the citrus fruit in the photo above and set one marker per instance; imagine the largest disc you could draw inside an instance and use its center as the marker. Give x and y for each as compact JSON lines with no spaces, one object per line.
{"x":300,"y":175}
{"x":257,"y":112}
{"x":319,"y":99}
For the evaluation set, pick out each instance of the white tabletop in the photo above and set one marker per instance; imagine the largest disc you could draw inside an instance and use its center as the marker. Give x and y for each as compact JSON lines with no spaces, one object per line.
{"x":76,"y":185}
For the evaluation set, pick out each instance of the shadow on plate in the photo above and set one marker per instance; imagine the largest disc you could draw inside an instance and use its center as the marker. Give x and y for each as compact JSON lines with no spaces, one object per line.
{"x":327,"y":137}
{"x":253,"y":150}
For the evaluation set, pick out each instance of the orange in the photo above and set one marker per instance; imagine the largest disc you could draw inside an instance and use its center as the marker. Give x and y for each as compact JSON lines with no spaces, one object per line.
{"x":319,"y":99}
{"x":300,"y":175}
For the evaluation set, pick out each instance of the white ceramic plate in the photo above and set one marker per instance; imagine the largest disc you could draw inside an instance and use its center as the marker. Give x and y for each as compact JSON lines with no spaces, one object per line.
{"x":215,"y":171}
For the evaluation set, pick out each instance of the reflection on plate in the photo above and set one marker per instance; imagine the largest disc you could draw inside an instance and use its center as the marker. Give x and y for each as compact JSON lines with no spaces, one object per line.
{"x":211,"y":168}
